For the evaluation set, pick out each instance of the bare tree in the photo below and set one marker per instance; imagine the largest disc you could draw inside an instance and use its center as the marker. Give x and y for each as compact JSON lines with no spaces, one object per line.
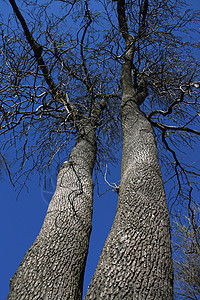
{"x":187,"y":256}
{"x":36,"y":108}
{"x":63,"y":77}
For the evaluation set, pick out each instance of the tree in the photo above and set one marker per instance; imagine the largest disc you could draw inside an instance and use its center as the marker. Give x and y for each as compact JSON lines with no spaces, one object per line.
{"x":61,"y":82}
{"x":187,"y":250}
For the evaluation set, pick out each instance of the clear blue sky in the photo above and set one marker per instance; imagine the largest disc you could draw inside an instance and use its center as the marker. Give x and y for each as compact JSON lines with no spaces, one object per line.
{"x":21,"y":220}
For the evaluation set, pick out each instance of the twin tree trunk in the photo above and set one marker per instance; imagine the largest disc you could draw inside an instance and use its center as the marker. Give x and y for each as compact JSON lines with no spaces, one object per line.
{"x":136,"y":261}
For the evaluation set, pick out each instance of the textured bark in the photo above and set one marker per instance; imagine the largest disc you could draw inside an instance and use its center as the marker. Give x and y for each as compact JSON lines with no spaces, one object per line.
{"x":53,"y":267}
{"x":136,"y":261}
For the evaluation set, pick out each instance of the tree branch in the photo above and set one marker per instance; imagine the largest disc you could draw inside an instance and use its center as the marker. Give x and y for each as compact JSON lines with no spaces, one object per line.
{"x":87,"y":15}
{"x":143,"y":12}
{"x":37,"y":49}
{"x":178,"y":164}
{"x":122,"y":19}
{"x":167,"y":112}
{"x":126,"y":77}
{"x":176,"y":128}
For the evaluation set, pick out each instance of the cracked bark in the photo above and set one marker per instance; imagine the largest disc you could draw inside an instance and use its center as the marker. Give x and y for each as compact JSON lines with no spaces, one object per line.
{"x":136,"y":261}
{"x":53,"y":267}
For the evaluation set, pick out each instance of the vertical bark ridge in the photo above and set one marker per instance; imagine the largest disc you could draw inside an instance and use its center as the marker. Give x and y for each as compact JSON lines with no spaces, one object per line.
{"x":136,"y":261}
{"x":53,"y":267}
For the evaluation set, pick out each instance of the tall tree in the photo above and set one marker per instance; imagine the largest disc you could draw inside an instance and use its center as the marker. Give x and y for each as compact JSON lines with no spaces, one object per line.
{"x":136,"y":261}
{"x":127,"y":267}
{"x":59,"y":253}
{"x":62,"y":78}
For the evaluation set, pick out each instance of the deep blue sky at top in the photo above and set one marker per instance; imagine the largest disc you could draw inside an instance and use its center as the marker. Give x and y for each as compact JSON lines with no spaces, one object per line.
{"x":21,"y":220}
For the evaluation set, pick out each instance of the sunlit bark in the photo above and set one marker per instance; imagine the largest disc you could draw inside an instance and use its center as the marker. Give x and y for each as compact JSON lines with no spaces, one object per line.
{"x":136,"y":261}
{"x":53,"y":267}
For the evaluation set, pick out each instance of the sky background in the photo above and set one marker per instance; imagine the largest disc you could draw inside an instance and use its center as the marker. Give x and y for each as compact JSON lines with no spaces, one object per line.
{"x":21,"y":219}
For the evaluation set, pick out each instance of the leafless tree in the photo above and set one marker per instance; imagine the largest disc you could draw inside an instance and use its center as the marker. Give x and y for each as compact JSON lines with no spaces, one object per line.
{"x":72,"y":74}
{"x":187,"y":259}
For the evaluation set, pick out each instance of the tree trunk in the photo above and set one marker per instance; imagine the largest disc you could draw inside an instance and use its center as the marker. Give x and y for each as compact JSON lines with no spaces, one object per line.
{"x":53,"y":267}
{"x":136,"y":261}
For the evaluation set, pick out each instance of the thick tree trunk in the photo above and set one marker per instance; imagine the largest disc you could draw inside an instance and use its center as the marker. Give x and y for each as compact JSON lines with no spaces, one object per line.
{"x":53,"y":267}
{"x":136,"y":261}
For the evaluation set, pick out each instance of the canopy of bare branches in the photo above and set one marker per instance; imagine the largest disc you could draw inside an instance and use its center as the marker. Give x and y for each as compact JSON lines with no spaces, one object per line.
{"x":59,"y":59}
{"x":187,"y":259}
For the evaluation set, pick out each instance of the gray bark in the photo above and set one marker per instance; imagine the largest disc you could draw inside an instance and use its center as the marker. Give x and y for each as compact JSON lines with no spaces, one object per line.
{"x":136,"y":261}
{"x":53,"y":267}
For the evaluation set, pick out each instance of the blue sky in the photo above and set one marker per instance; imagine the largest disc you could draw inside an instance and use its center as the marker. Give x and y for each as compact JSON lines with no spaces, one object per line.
{"x":21,"y":220}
